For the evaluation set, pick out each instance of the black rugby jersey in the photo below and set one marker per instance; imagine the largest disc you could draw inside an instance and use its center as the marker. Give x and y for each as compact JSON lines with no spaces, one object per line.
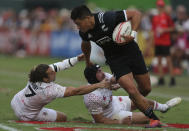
{"x":101,"y":34}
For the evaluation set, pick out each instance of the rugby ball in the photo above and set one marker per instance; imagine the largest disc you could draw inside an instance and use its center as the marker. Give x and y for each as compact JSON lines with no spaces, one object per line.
{"x":121,"y":29}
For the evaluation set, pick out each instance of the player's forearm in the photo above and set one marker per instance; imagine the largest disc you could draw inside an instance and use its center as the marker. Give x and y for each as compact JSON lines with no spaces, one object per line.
{"x":135,"y":17}
{"x":86,"y":48}
{"x":67,"y":63}
{"x":86,"y":89}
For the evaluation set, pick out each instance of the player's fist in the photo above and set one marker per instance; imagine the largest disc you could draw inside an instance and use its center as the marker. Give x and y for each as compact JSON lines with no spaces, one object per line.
{"x":81,"y":57}
{"x":105,"y":83}
{"x":127,"y":39}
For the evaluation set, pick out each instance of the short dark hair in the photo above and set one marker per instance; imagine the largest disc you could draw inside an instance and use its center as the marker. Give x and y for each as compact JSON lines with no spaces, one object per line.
{"x":38,"y":73}
{"x":80,"y":12}
{"x":90,"y":73}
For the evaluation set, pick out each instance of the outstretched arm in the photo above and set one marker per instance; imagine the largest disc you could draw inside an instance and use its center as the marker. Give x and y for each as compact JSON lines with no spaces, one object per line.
{"x":71,"y":91}
{"x":67,"y":63}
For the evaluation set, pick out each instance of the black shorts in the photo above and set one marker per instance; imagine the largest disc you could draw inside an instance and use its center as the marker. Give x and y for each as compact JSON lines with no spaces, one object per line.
{"x":131,"y":61}
{"x":162,"y":50}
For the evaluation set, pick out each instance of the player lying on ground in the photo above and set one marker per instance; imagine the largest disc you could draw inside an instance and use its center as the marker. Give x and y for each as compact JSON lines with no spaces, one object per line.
{"x":109,"y":109}
{"x":28,"y":104}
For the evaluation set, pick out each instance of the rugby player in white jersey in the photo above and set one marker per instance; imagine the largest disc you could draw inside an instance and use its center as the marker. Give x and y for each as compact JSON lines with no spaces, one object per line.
{"x":109,"y":109}
{"x":28,"y":104}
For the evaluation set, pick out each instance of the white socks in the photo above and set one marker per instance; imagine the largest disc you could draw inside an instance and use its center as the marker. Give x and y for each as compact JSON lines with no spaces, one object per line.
{"x":160,"y":107}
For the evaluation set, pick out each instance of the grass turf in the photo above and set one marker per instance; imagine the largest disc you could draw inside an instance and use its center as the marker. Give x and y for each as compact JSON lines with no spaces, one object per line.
{"x":14,"y":75}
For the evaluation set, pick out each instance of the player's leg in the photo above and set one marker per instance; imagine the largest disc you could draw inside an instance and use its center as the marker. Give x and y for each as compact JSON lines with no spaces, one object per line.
{"x":170,"y":66}
{"x":50,"y":115}
{"x":139,"y":118}
{"x":61,"y":116}
{"x":129,"y":118}
{"x":143,"y":82}
{"x":157,"y":106}
{"x":160,"y":71}
{"x":140,"y":101}
{"x":158,"y":53}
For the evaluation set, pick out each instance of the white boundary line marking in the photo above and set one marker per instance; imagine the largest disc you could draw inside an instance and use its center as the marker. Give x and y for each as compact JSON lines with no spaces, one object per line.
{"x":7,"y":128}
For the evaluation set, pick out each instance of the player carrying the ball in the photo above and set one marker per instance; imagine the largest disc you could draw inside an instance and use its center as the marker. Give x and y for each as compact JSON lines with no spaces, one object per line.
{"x":125,"y":59}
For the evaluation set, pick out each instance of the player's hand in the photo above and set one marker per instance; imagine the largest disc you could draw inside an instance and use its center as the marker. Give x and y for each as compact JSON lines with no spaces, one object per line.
{"x":105,"y":84}
{"x":81,"y":57}
{"x":127,"y":39}
{"x":115,"y":87}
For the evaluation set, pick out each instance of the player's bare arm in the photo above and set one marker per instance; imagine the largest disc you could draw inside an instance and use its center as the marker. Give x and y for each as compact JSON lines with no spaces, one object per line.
{"x":86,"y":48}
{"x":135,"y":17}
{"x":81,"y":57}
{"x":71,"y":91}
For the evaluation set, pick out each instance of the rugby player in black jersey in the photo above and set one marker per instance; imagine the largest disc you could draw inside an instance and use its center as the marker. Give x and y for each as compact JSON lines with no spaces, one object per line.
{"x":125,"y":60}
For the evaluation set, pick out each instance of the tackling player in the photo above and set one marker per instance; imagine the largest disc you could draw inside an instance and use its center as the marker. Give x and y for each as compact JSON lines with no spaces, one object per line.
{"x":28,"y":104}
{"x":109,"y":109}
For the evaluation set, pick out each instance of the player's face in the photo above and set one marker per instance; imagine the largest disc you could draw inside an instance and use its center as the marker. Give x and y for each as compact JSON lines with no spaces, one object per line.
{"x":51,"y":74}
{"x":100,"y":75}
{"x":83,"y":24}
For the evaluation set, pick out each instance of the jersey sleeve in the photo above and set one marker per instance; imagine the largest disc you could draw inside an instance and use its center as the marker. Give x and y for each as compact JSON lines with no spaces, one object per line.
{"x":92,"y":103}
{"x":114,"y":17}
{"x":84,"y":36}
{"x":55,"y":91}
{"x":65,"y":64}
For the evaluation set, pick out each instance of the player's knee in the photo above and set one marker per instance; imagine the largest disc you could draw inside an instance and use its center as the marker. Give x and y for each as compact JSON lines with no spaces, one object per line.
{"x":146,"y":91}
{"x":127,"y":120}
{"x":61,"y":117}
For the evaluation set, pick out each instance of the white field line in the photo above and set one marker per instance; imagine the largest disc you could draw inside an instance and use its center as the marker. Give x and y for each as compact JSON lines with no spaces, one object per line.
{"x":7,"y":128}
{"x":77,"y":83}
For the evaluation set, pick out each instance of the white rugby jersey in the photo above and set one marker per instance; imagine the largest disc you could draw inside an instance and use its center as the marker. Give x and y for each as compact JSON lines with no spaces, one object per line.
{"x":100,"y":101}
{"x":34,"y":97}
{"x":29,"y":101}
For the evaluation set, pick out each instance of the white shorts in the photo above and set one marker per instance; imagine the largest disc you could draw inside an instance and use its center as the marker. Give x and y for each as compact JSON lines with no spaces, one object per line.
{"x":121,"y":107}
{"x":24,"y":114}
{"x":46,"y":115}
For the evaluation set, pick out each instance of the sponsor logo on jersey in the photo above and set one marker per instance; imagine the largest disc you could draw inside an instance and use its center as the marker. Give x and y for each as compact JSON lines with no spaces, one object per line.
{"x":104,"y":28}
{"x":104,"y":40}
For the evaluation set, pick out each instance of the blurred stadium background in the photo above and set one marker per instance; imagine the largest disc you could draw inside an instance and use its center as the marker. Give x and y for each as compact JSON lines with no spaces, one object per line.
{"x":40,"y":31}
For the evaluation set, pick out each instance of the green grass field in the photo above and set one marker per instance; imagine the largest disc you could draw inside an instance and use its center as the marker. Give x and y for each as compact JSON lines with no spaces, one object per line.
{"x":13,"y":77}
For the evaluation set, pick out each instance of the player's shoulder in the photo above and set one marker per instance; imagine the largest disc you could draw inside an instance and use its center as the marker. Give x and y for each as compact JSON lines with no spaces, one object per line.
{"x":104,"y":17}
{"x":44,"y":85}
